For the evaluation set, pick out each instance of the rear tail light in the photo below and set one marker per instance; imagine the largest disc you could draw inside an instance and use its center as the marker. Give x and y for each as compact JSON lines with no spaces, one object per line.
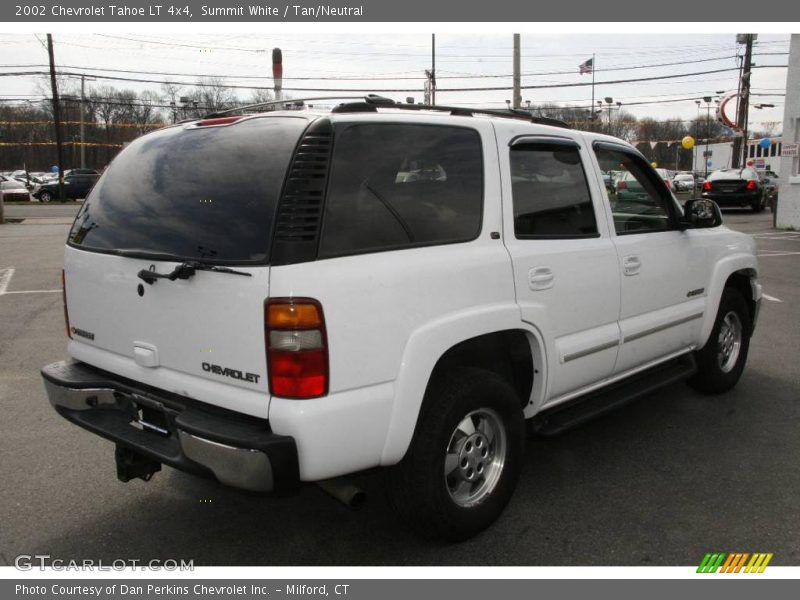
{"x":64,"y":302}
{"x":621,"y":185}
{"x":297,"y":348}
{"x":669,"y":184}
{"x":751,"y":185}
{"x":706,"y":186}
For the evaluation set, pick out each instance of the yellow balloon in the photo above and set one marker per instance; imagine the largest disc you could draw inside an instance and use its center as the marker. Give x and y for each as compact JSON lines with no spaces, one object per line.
{"x":654,"y":164}
{"x":688,"y":142}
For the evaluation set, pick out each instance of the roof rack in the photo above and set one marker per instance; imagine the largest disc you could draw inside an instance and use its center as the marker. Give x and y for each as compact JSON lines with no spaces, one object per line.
{"x":287,"y":102}
{"x":372,"y":102}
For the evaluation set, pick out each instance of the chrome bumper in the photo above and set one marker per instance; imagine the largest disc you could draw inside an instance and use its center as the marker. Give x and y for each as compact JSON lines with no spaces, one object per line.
{"x":235,"y":449}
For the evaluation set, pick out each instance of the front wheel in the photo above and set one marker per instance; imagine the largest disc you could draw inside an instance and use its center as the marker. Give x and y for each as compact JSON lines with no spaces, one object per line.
{"x":46,"y":197}
{"x":721,"y":361}
{"x":758,"y":205}
{"x":464,"y":460}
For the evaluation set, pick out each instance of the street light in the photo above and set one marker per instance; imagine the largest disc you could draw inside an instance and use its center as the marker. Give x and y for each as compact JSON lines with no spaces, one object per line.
{"x":609,"y":100}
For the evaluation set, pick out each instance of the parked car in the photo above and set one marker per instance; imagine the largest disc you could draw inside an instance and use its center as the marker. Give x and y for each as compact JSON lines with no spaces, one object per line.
{"x":699,"y":180}
{"x":12,"y":190}
{"x":683,"y":182}
{"x":77,"y":184}
{"x":735,"y":187}
{"x":69,"y":172}
{"x":769,"y":181}
{"x":608,"y":181}
{"x":630,"y":188}
{"x":328,"y":316}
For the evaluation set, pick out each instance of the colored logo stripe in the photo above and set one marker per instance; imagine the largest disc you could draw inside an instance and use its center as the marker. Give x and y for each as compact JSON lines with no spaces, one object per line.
{"x":711,"y":562}
{"x":734,"y":562}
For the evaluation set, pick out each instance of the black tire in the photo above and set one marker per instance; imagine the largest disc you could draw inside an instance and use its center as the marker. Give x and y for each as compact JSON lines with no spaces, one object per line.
{"x":758,"y":205}
{"x":418,"y":488}
{"x":714,"y":374}
{"x":46,"y":197}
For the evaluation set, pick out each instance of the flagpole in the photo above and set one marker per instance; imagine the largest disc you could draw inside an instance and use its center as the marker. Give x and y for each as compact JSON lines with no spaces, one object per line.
{"x":591,"y":108}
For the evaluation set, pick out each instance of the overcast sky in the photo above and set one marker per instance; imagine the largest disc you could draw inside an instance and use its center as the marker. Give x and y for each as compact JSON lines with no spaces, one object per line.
{"x":399,"y":61}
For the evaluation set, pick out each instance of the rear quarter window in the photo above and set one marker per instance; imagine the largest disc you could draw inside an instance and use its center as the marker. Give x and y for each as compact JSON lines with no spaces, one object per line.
{"x":396,"y":186}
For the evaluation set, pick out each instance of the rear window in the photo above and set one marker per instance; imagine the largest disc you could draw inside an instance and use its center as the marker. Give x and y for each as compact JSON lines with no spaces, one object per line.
{"x":725,"y":174}
{"x":204,"y":194}
{"x":398,"y":186}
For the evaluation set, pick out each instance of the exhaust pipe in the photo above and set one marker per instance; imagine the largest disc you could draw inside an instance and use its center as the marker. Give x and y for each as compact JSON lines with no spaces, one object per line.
{"x":351,"y":496}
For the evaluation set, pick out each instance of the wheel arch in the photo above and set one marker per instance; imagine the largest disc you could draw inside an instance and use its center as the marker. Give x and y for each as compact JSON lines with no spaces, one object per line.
{"x":464,"y":340}
{"x":740,"y":272}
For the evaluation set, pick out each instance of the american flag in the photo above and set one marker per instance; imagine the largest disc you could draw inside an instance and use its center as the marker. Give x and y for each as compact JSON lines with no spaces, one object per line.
{"x":586,"y":67}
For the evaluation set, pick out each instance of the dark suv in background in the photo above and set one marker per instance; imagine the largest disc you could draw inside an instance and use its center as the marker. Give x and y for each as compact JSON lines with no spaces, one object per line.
{"x":735,"y":187}
{"x":77,"y":184}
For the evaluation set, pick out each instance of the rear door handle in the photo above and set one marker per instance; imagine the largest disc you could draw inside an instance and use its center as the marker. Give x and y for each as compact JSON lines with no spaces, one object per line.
{"x":540,"y":278}
{"x":631,"y":265}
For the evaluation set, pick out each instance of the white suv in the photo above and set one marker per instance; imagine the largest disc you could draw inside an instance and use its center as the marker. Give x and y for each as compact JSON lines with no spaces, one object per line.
{"x":287,"y":297}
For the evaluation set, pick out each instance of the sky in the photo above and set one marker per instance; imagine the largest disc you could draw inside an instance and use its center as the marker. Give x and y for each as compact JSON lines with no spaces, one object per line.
{"x":375,"y":62}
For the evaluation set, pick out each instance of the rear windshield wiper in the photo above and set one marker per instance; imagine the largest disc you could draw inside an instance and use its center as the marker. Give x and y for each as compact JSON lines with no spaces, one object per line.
{"x":185,"y":270}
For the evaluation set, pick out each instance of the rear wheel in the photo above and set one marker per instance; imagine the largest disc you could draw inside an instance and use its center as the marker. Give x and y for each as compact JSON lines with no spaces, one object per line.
{"x":758,"y":205}
{"x":464,"y":461}
{"x":721,"y":361}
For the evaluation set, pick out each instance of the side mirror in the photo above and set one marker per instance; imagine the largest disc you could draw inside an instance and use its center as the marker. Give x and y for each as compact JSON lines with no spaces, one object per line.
{"x":701,"y":213}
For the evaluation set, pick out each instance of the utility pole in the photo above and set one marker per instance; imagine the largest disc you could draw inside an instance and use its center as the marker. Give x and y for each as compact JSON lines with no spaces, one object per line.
{"x":696,"y":136}
{"x":83,"y":102}
{"x":517,"y":96}
{"x":744,"y":99}
{"x":433,"y":69}
{"x":56,"y":117}
{"x":430,"y":84}
{"x":707,"y":100}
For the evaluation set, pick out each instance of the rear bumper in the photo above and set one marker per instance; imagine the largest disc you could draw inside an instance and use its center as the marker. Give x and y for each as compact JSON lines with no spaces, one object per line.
{"x":236,"y":449}
{"x":733,"y":198}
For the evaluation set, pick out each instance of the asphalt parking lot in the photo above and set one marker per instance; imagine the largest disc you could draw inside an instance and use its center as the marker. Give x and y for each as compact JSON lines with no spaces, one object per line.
{"x":660,"y":482}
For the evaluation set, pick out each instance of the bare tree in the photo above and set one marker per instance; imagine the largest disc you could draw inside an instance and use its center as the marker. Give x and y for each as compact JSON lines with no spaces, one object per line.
{"x":212,"y":95}
{"x":767,"y":129}
{"x":624,"y":125}
{"x":260,"y":95}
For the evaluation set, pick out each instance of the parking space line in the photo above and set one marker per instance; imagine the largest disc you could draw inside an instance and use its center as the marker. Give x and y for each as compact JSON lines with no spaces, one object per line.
{"x":768,"y":253}
{"x":776,"y":233}
{"x":5,"y":279}
{"x":770,"y":298}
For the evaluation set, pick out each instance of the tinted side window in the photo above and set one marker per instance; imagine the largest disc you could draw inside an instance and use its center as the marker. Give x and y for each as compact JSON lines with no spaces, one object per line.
{"x":640,"y":202}
{"x":550,"y":193}
{"x":398,"y":186}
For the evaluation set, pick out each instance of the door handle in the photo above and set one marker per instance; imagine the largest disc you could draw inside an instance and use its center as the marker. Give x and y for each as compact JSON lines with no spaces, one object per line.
{"x":631,"y":265}
{"x":540,"y":278}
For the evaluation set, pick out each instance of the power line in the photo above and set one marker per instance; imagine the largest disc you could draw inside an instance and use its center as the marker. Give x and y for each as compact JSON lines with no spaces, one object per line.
{"x":391,"y":90}
{"x":383,"y":77}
